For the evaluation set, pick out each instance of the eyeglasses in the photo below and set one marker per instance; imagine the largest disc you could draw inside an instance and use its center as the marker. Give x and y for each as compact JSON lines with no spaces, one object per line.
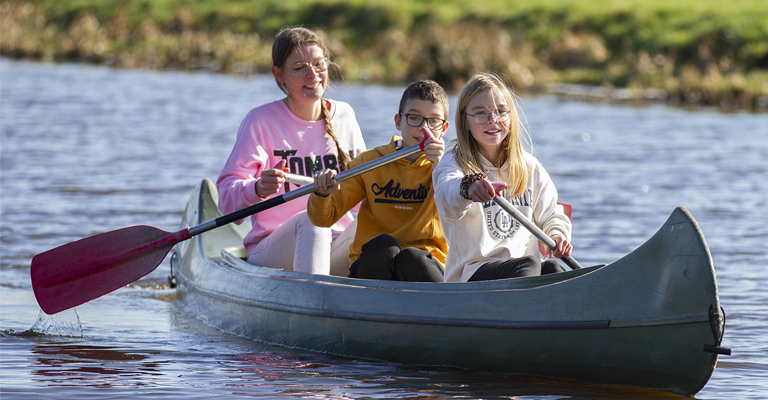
{"x":415,"y":120}
{"x":483,"y":117}
{"x":318,"y":65}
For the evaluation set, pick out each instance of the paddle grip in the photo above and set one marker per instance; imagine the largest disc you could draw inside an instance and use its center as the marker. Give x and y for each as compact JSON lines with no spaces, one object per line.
{"x":298,"y":179}
{"x":535,"y":230}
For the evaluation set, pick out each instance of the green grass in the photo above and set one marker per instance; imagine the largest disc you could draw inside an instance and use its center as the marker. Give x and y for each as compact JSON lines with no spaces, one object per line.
{"x":673,"y":45}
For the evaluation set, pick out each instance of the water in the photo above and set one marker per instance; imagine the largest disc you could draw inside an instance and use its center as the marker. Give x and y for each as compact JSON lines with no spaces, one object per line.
{"x":89,"y":149}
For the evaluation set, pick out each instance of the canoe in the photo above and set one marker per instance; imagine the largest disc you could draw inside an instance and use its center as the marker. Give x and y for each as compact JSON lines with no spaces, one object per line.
{"x":651,"y":319}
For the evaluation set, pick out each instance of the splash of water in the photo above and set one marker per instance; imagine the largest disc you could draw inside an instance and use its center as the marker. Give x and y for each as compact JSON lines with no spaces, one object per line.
{"x":65,"y":323}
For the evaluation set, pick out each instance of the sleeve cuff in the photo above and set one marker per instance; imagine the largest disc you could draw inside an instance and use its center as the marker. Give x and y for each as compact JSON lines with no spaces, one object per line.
{"x":250,"y":192}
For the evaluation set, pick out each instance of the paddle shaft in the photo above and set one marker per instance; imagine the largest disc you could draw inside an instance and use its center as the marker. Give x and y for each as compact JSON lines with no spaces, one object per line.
{"x":298,"y":179}
{"x":535,"y":230}
{"x":303,"y":191}
{"x":77,"y":272}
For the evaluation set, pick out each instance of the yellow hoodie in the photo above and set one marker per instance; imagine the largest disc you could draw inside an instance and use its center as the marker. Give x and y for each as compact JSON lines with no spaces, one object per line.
{"x":397,"y":199}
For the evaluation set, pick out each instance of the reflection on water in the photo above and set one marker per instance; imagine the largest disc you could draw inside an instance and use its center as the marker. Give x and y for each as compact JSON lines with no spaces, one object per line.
{"x":316,"y":376}
{"x":88,"y":149}
{"x":334,"y":378}
{"x":101,"y":367}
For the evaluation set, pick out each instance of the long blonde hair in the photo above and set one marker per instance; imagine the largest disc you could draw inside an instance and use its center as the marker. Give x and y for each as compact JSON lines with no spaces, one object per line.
{"x":467,"y":150}
{"x":286,"y":41}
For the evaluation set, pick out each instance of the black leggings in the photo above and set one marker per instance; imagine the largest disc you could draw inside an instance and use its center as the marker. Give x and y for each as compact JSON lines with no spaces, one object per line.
{"x":516,"y":268}
{"x":383,"y":259}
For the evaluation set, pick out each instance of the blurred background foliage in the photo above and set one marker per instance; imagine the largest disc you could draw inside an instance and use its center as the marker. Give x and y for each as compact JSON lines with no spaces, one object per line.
{"x":688,"y":52}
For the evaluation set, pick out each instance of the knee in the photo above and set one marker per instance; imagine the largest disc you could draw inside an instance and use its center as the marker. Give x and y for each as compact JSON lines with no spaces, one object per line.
{"x":377,"y":260}
{"x":551,"y":267}
{"x":382,"y":241}
{"x":412,"y":256}
{"x":381,"y":247}
{"x":530,"y":260}
{"x":528,"y":266}
{"x":415,"y":265}
{"x":304,"y":225}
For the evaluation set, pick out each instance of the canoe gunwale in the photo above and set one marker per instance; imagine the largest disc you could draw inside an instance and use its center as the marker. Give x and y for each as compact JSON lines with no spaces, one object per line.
{"x":230,"y":259}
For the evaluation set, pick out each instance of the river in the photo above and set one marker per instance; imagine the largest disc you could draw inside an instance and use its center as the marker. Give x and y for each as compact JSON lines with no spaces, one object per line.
{"x":88,"y":149}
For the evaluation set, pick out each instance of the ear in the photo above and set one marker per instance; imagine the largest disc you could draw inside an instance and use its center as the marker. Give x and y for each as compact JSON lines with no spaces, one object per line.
{"x":445,"y":129}
{"x":398,"y":120}
{"x":276,"y":72}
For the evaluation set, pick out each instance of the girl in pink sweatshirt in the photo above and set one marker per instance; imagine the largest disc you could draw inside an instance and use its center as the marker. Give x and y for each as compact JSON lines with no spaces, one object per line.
{"x":301,"y":133}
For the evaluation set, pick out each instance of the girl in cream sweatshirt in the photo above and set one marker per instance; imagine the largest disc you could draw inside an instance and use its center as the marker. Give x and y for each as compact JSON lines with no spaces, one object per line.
{"x":488,"y":160}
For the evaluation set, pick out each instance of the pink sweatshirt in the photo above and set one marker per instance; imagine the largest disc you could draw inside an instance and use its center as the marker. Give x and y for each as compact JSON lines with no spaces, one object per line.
{"x":270,"y":133}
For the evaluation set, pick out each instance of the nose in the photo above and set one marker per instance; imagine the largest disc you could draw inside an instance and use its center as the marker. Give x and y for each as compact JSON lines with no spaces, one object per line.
{"x":493,"y":117}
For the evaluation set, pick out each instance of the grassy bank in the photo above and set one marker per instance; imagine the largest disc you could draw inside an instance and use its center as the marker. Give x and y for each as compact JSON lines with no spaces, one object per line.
{"x":689,"y":52}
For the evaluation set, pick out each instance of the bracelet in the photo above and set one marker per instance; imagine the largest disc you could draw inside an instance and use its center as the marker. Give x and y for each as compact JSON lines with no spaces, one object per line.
{"x":468,"y":180}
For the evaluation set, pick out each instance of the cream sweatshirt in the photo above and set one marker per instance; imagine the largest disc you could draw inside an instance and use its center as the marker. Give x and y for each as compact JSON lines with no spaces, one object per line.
{"x":477,"y":233}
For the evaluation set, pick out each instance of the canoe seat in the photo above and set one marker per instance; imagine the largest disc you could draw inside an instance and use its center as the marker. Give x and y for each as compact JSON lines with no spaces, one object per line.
{"x":237,"y":251}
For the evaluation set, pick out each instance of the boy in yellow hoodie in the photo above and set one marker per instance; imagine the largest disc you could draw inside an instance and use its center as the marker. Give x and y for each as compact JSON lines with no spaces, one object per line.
{"x":399,"y":235}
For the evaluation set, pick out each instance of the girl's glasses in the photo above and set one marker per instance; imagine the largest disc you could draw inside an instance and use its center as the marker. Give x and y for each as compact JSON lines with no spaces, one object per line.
{"x":483,"y":117}
{"x":415,"y":120}
{"x":318,"y":65}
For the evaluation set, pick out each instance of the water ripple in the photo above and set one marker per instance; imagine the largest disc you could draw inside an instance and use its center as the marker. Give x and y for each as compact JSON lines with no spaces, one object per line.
{"x":90,"y":149}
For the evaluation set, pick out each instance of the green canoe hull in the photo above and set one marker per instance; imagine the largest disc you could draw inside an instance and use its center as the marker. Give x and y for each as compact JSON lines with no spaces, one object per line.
{"x":641,"y":321}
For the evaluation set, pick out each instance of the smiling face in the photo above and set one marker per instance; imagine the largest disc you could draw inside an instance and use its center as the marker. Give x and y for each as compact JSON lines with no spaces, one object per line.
{"x":490,"y":135}
{"x":412,"y":134}
{"x":304,"y":85}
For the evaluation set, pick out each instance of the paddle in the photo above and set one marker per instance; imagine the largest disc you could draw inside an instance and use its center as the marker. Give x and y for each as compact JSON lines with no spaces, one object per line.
{"x":298,"y":179}
{"x":508,"y":207}
{"x":77,"y":272}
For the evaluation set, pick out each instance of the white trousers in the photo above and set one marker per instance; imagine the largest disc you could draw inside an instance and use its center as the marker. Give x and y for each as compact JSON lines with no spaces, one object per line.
{"x":297,"y":245}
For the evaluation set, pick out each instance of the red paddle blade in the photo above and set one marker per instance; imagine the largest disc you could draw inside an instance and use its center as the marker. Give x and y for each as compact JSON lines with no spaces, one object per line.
{"x":77,"y":272}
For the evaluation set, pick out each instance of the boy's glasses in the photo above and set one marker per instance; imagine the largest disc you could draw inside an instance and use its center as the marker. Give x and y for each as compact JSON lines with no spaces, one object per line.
{"x":483,"y":117}
{"x":318,"y":65}
{"x":415,"y":120}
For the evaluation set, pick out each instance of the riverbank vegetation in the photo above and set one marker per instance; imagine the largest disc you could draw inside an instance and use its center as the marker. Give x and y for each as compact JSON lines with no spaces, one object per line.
{"x":687,"y":52}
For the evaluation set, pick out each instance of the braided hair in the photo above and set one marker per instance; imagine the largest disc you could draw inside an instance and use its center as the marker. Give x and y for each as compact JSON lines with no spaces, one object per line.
{"x":286,"y":41}
{"x":344,"y":158}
